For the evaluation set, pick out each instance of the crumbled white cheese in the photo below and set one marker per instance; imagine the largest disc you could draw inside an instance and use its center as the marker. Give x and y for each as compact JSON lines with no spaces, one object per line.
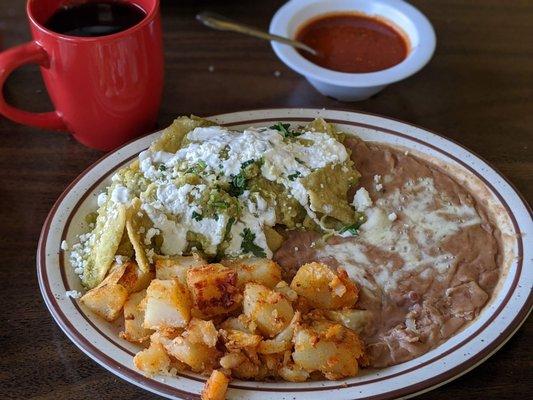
{"x":121,"y":259}
{"x":429,"y":218}
{"x":101,"y":199}
{"x":120,"y":194}
{"x":64,"y":245}
{"x":150,"y":234}
{"x":74,"y":294}
{"x":361,"y":200}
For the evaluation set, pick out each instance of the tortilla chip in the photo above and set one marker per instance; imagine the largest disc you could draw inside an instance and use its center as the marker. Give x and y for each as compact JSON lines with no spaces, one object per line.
{"x":135,"y":220}
{"x":172,"y":137}
{"x":319,"y":125}
{"x":328,"y":191}
{"x":108,"y":235}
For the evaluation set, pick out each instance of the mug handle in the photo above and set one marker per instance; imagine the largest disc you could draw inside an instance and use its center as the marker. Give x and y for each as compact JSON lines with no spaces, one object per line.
{"x":13,"y":58}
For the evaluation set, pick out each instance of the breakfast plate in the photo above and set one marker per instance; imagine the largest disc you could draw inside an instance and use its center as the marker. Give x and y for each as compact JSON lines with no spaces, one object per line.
{"x":506,"y":310}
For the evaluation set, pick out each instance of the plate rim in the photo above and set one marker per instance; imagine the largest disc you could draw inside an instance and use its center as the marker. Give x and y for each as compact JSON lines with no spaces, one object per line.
{"x":477,"y":358}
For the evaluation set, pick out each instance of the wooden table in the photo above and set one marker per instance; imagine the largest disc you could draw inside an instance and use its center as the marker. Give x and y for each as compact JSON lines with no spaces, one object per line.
{"x":477,"y":90}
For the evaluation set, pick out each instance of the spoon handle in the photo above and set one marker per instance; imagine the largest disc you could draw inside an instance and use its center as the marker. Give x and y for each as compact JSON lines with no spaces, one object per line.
{"x":221,"y":23}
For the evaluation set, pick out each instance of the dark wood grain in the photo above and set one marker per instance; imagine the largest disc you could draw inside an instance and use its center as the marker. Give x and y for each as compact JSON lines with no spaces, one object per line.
{"x":477,"y":90}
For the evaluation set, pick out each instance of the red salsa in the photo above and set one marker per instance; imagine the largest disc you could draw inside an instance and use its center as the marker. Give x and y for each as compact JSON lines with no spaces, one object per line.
{"x":354,"y":43}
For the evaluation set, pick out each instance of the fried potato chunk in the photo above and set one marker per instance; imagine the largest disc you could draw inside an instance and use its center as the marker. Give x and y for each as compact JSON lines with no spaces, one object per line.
{"x":214,"y":289}
{"x":270,"y":310}
{"x":198,"y":356}
{"x":153,"y":360}
{"x":107,"y":299}
{"x":322,"y":288}
{"x":253,"y":269}
{"x":293,"y":373}
{"x":134,"y":279}
{"x":327,"y":347}
{"x":235,"y":340}
{"x":240,"y":365}
{"x":177,"y":266}
{"x":216,"y":386}
{"x":134,"y":331}
{"x":167,"y":305}
{"x":200,"y":331}
{"x":360,"y":321}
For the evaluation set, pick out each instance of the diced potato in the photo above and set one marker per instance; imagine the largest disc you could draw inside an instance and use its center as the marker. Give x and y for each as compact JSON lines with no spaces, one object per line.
{"x":116,"y":272}
{"x":293,"y":373}
{"x":360,"y":321}
{"x":176,"y":266}
{"x":133,"y":319}
{"x":241,"y":323}
{"x":167,"y":305}
{"x":153,"y":360}
{"x":240,"y":365}
{"x":323,"y":288}
{"x":272,"y":362}
{"x":106,"y":300}
{"x":165,"y":336}
{"x":329,"y":348}
{"x":214,"y":289}
{"x":258,"y":270}
{"x":235,"y":340}
{"x":284,"y":288}
{"x":134,"y":279}
{"x":198,"y":356}
{"x":273,"y":346}
{"x":270,"y":310}
{"x":216,"y":386}
{"x":283,"y":341}
{"x":199,"y":331}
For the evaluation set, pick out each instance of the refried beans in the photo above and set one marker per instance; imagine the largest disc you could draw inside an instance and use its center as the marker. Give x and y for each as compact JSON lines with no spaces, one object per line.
{"x":426,"y":260}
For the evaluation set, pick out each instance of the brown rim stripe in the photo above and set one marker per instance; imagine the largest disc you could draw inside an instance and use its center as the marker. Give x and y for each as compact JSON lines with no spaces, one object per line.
{"x":134,"y":375}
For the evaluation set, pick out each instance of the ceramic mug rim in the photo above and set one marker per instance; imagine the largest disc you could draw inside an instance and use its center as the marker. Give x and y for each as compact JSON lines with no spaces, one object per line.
{"x":151,"y":14}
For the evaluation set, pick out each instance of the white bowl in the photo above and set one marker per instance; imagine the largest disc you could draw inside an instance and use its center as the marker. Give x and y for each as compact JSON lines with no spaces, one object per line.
{"x":346,"y":86}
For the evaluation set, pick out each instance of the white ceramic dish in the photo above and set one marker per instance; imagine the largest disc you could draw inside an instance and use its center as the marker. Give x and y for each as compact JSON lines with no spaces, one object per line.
{"x":353,"y":87}
{"x":499,"y":320}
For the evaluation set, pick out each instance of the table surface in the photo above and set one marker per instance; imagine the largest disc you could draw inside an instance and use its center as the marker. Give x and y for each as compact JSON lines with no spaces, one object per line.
{"x":476,"y":90}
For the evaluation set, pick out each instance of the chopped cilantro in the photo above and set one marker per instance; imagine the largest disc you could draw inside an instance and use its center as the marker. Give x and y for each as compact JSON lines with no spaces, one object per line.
{"x":354,"y":228}
{"x":284,"y":130}
{"x":230,"y":223}
{"x":196,"y":216}
{"x":248,"y":245}
{"x":246,"y":163}
{"x":219,"y":204}
{"x":199,"y":167}
{"x":294,"y":176}
{"x":162,"y":167}
{"x":239,"y":183}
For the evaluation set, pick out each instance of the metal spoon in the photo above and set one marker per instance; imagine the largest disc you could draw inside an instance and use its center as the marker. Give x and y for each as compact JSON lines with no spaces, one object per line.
{"x":224,"y":24}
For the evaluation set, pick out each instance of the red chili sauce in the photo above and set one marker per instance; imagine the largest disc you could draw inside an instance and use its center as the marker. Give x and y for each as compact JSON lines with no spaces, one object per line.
{"x":355,"y":43}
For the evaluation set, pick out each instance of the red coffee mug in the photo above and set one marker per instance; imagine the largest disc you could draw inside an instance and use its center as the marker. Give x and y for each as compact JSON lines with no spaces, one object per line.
{"x":106,"y":90}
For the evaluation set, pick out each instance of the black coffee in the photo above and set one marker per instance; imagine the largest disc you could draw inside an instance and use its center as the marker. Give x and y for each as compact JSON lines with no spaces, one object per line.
{"x":95,"y":18}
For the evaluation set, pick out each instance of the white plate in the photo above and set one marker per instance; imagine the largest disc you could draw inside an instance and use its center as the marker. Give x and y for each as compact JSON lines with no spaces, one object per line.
{"x":509,"y":307}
